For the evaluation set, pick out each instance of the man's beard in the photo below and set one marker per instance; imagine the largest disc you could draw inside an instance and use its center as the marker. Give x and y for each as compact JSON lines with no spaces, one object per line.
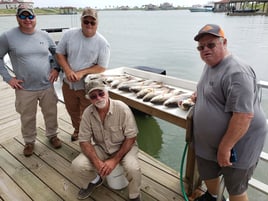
{"x":100,"y":104}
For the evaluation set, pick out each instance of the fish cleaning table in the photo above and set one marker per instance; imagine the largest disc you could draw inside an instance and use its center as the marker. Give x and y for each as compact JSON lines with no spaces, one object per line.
{"x":175,"y":115}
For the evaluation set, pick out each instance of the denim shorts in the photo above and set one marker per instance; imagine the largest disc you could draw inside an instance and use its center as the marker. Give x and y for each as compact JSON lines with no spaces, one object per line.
{"x":236,"y":180}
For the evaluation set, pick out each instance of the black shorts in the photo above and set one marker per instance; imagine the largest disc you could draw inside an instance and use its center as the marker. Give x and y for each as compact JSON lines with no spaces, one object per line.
{"x":236,"y":180}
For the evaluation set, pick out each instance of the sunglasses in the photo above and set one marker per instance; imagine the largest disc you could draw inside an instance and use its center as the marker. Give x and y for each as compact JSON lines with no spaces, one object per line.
{"x":210,"y":45}
{"x":92,"y":23}
{"x":96,"y":95}
{"x":23,"y":17}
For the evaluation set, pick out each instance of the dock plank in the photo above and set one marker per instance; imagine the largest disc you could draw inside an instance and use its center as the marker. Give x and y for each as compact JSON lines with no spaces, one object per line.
{"x":9,"y":190}
{"x":60,"y":161}
{"x":47,"y":175}
{"x":149,"y":187}
{"x":23,"y":177}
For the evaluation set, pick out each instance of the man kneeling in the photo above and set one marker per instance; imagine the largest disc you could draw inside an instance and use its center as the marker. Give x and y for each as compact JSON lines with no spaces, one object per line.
{"x":107,"y":137}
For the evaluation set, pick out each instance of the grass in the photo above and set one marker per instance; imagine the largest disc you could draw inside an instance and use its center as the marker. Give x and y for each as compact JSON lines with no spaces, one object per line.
{"x":38,"y":11}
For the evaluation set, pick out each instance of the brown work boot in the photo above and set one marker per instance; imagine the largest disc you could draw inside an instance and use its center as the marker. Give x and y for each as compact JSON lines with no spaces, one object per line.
{"x":74,"y":136}
{"x":55,"y":142}
{"x":28,"y":149}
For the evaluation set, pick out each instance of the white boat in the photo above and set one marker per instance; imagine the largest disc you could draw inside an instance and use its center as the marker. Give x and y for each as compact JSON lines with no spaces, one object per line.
{"x":201,"y":8}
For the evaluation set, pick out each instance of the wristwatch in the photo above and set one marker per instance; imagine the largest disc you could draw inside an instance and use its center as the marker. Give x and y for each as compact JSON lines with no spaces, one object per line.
{"x":58,"y":69}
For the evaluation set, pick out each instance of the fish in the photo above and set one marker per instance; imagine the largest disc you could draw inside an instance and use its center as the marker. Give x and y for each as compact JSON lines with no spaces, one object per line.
{"x":186,"y":104}
{"x":110,"y":78}
{"x":160,"y":99}
{"x":174,"y":100}
{"x":124,"y":86}
{"x":119,"y":80}
{"x":114,"y":80}
{"x":156,"y":92}
{"x":144,"y":91}
{"x":149,"y":84}
{"x":93,"y":77}
{"x":115,"y":83}
{"x":137,"y":88}
{"x":151,"y":94}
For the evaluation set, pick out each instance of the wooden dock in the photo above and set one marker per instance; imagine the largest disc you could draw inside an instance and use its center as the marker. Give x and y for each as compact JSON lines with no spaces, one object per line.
{"x":47,"y":176}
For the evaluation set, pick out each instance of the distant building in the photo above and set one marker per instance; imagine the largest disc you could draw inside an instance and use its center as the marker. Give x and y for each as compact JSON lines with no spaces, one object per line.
{"x":68,"y":10}
{"x":221,"y":6}
{"x":13,"y":4}
{"x":242,"y":7}
{"x":124,"y":7}
{"x":166,"y":6}
{"x":151,"y":7}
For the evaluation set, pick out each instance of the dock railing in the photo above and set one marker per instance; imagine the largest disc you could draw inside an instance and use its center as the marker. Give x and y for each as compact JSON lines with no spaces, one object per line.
{"x":254,"y":183}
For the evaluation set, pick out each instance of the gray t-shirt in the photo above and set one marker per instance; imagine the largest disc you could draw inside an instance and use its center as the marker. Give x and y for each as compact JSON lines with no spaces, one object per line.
{"x":226,"y":88}
{"x":83,"y":52}
{"x":29,"y":56}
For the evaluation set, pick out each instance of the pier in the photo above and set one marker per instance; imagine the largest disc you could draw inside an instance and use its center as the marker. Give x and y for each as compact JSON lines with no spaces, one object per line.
{"x":46,"y":175}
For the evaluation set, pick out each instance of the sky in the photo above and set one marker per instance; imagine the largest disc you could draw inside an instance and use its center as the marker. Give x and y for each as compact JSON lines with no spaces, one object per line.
{"x":112,"y":3}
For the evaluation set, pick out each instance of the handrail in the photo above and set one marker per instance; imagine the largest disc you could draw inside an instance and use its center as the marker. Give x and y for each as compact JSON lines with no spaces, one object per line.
{"x":254,"y":183}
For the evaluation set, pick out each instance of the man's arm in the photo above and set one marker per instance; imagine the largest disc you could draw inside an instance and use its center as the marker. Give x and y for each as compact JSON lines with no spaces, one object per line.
{"x":126,"y":146}
{"x":111,"y":163}
{"x":88,"y":149}
{"x":238,"y":126}
{"x":70,"y":74}
{"x":89,"y":70}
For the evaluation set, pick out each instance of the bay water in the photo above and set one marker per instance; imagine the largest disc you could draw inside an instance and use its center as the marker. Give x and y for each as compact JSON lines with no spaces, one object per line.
{"x":164,"y":39}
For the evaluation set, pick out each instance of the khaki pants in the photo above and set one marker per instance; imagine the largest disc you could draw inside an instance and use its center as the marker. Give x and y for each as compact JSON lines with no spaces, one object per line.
{"x":85,"y":172}
{"x":75,"y":103}
{"x":26,"y":106}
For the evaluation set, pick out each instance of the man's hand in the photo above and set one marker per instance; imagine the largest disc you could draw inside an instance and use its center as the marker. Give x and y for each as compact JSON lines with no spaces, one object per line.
{"x":107,"y":167}
{"x":15,"y":83}
{"x":53,"y":75}
{"x":71,"y":76}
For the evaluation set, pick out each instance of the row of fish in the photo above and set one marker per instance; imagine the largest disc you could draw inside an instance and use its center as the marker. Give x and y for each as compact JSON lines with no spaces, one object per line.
{"x":147,"y":90}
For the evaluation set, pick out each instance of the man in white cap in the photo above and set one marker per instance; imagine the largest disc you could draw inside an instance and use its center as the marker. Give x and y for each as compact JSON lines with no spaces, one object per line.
{"x":107,"y":137}
{"x":229,"y":140}
{"x":80,"y":52}
{"x":29,"y":53}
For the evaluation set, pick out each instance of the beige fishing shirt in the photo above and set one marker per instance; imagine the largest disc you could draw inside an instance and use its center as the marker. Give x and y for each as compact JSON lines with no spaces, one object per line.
{"x":118,"y":125}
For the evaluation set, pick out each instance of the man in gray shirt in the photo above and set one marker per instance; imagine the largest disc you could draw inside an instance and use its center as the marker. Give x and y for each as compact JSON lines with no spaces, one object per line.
{"x":29,"y":53}
{"x":229,"y":123}
{"x":81,"y":51}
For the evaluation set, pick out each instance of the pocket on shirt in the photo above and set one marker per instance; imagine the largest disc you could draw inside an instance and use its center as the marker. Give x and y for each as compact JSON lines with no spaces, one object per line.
{"x":117,"y":136}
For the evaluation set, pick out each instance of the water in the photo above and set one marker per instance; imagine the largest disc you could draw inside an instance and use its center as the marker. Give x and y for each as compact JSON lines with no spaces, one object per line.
{"x":164,"y":39}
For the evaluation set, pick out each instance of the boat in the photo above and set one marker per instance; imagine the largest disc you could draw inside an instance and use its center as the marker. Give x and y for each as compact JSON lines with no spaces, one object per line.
{"x":243,"y":12}
{"x":201,"y":8}
{"x":246,"y":10}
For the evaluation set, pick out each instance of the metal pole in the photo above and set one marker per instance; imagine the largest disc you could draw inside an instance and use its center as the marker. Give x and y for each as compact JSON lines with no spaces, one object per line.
{"x":221,"y":189}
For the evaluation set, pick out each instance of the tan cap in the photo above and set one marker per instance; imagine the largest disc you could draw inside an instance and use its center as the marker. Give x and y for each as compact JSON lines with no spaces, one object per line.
{"x":212,"y":29}
{"x":89,"y":12}
{"x":25,"y":8}
{"x":92,"y":85}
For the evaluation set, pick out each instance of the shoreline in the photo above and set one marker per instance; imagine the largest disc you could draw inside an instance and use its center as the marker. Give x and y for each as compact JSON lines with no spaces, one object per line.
{"x":56,"y":11}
